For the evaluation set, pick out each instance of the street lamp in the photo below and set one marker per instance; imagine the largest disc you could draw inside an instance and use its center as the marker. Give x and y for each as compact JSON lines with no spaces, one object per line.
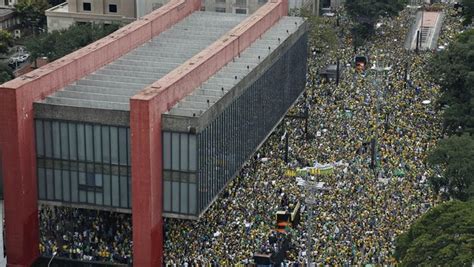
{"x":54,"y":254}
{"x":286,"y":136}
{"x":377,"y":69}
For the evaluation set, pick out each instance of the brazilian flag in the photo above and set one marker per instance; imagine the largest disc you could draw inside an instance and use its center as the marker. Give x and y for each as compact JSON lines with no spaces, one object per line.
{"x":326,"y":170}
{"x":290,"y":173}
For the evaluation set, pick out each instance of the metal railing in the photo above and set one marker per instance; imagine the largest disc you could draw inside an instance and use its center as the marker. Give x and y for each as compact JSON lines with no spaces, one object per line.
{"x":45,"y":261}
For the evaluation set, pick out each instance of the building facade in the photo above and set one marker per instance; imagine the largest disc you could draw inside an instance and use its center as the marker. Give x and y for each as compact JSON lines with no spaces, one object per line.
{"x":8,"y":3}
{"x":233,"y":6}
{"x":86,"y":11}
{"x":8,"y":20}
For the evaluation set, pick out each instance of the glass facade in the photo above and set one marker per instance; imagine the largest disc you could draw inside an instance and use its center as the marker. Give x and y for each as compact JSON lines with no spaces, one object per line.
{"x":83,"y":163}
{"x":230,"y":139}
{"x":179,"y":175}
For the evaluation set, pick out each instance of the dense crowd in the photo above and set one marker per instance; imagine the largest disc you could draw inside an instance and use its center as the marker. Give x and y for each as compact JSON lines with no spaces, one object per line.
{"x":85,"y":234}
{"x":356,"y":220}
{"x":364,"y":209}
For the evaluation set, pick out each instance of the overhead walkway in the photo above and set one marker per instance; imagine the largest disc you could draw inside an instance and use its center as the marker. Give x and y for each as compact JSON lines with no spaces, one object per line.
{"x":425,"y":30}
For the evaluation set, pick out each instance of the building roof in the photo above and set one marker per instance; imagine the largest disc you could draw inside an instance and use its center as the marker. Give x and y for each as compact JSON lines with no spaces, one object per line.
{"x":63,"y":7}
{"x":203,"y":98}
{"x":111,"y":86}
{"x":6,"y":13}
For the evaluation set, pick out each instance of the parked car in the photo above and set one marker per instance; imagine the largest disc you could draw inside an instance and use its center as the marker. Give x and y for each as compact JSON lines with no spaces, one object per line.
{"x":15,"y":61}
{"x":23,"y":57}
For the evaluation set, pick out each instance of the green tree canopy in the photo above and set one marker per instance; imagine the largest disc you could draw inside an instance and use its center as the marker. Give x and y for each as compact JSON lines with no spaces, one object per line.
{"x":60,"y":43}
{"x":6,"y":73}
{"x":365,"y":13}
{"x":31,"y":13}
{"x":454,"y":159}
{"x":444,"y":236}
{"x":468,"y":11}
{"x":322,"y":35}
{"x":6,"y":41}
{"x":453,"y":69}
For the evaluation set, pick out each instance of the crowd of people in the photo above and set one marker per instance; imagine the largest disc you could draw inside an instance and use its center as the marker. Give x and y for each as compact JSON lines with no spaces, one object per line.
{"x":373,"y":194}
{"x":82,"y":234}
{"x":357,"y":218}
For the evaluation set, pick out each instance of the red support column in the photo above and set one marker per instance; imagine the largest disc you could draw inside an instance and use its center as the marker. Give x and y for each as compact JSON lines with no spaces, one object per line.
{"x":147,"y":202}
{"x":17,"y":146}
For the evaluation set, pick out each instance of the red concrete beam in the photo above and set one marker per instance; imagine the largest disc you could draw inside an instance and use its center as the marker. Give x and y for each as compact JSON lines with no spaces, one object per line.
{"x":145,"y":123}
{"x":17,"y":140}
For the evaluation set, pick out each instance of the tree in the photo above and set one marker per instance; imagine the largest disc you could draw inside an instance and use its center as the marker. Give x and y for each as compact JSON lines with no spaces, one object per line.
{"x":365,"y":13}
{"x":6,"y":41}
{"x":6,"y":73}
{"x":454,"y":159}
{"x":31,"y":13}
{"x":444,"y":236}
{"x":459,"y":117}
{"x":468,"y":12}
{"x":361,"y":32}
{"x":322,"y":35}
{"x":60,"y":43}
{"x":453,"y":69}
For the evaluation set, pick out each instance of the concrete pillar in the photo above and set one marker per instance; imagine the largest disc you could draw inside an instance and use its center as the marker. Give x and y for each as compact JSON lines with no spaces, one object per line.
{"x":147,"y":203}
{"x":316,"y":8}
{"x":140,"y":7}
{"x":17,"y":146}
